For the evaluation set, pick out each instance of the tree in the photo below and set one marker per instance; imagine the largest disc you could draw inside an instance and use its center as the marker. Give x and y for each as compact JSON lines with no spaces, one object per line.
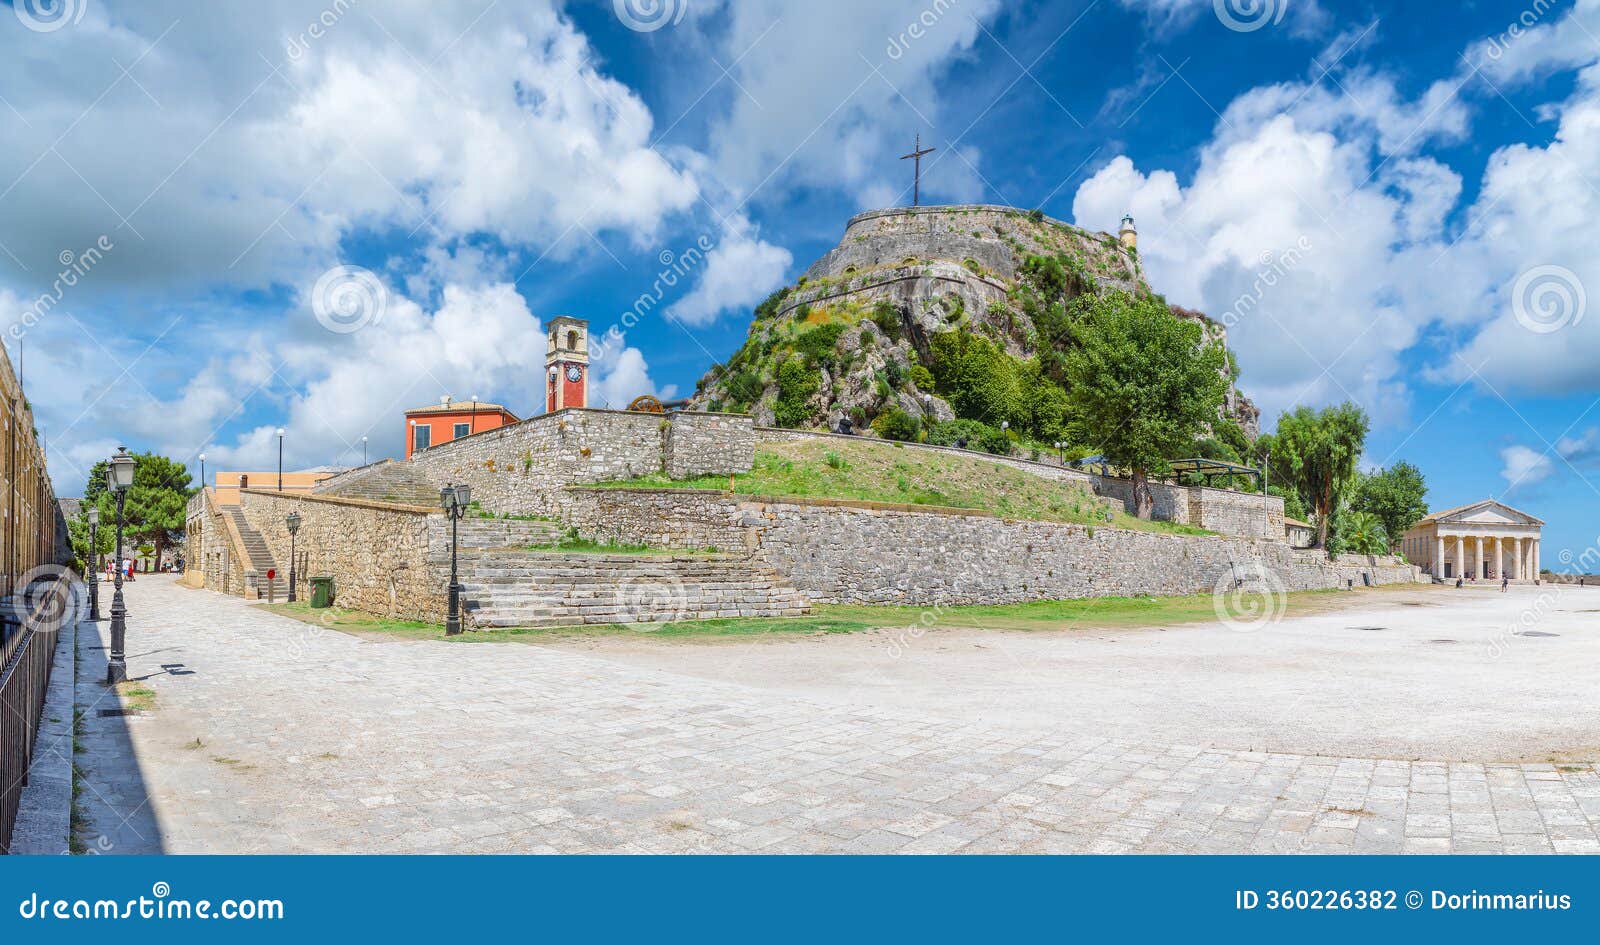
{"x":1359,"y":532}
{"x":1141,"y":384}
{"x":155,"y":505}
{"x":78,"y":530}
{"x":1320,"y":450}
{"x":1394,"y":495}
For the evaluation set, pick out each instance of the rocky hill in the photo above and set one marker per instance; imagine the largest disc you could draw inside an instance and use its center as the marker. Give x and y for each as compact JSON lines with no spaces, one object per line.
{"x":933,"y":314}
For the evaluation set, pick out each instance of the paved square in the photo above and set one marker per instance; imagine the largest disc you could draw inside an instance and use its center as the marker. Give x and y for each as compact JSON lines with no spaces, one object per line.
{"x":270,"y":735}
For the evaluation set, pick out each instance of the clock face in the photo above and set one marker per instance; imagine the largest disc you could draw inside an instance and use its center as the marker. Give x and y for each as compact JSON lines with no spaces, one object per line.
{"x":574,"y":373}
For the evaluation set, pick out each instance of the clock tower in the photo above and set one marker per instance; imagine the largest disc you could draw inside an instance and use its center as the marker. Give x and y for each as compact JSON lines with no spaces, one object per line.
{"x":566,"y":361}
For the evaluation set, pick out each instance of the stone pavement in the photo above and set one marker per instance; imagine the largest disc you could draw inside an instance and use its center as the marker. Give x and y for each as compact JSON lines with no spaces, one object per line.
{"x":270,"y":735}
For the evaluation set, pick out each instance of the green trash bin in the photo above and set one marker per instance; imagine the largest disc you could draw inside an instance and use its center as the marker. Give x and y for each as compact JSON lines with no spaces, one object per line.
{"x":322,"y":591}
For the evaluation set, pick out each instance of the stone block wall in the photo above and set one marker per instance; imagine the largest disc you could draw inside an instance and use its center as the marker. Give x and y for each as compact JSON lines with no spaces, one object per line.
{"x":214,"y":555}
{"x":523,"y":468}
{"x":377,"y":554}
{"x":842,"y":551}
{"x":1240,"y":514}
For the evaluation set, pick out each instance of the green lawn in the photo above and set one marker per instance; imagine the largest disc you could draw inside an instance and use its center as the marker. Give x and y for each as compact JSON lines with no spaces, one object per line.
{"x":1090,"y":613}
{"x":882,"y":471}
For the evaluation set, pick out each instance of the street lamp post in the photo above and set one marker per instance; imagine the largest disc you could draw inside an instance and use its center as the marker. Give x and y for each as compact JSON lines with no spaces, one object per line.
{"x":363,"y":451}
{"x":293,"y":521}
{"x":94,"y":563}
{"x":202,"y":470}
{"x":280,"y":459}
{"x":1061,"y":452}
{"x":120,"y":480}
{"x":455,"y":500}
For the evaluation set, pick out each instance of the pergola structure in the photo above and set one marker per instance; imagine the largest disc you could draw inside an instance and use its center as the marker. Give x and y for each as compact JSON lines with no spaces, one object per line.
{"x":1210,"y":468}
{"x":1485,"y":540}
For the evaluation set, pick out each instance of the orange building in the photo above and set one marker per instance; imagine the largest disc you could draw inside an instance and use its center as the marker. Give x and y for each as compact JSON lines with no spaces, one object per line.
{"x":451,"y":420}
{"x":299,"y":480}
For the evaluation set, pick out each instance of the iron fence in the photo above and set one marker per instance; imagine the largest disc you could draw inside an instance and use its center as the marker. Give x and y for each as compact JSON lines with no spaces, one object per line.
{"x":27,"y":650}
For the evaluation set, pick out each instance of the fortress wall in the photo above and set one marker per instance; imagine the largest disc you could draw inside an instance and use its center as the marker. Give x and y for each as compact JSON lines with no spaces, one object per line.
{"x":840,"y":551}
{"x":521,"y":469}
{"x":1240,"y":514}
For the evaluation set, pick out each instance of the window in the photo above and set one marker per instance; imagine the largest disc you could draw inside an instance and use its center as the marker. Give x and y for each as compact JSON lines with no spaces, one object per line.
{"x":572,"y":341}
{"x":421,"y":437}
{"x":461,"y":430}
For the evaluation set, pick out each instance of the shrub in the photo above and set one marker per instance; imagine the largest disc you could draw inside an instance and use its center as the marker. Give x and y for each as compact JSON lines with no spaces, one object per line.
{"x":769,"y":307}
{"x":896,"y":424}
{"x":797,"y":382}
{"x":922,"y":377}
{"x":835,"y":461}
{"x":978,"y":436}
{"x":887,"y":319}
{"x":745,"y":387}
{"x":817,"y":343}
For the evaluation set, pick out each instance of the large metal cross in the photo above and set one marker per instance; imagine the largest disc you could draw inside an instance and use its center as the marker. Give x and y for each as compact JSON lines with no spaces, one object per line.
{"x":916,"y":158}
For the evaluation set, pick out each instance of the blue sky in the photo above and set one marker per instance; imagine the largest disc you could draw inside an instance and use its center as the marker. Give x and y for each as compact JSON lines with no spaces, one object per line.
{"x":1386,"y":204}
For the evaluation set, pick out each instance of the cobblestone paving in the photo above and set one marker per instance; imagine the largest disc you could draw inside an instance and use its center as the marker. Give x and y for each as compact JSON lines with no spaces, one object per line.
{"x":270,"y":735}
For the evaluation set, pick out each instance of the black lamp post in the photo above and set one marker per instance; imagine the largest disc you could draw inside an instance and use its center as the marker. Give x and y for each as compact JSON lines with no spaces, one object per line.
{"x":455,"y":500}
{"x":293,"y":521}
{"x":120,"y":480}
{"x":1061,"y":452}
{"x":202,"y":470}
{"x":280,"y":459}
{"x":94,"y":562}
{"x":363,"y":451}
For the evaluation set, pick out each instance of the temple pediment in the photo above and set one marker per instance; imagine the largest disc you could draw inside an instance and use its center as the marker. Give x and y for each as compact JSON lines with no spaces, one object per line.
{"x":1487,"y":512}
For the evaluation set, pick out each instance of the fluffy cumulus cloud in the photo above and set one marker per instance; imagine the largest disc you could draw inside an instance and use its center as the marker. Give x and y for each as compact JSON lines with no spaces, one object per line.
{"x":1319,"y":227}
{"x":1303,"y":17}
{"x":819,"y":104}
{"x":739,"y":272}
{"x":1522,"y":467}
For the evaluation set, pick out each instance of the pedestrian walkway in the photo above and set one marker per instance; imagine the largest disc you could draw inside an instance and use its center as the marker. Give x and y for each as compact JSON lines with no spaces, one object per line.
{"x":265,"y":734}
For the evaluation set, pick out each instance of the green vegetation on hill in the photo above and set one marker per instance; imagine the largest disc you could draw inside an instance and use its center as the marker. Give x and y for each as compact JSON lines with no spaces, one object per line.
{"x":875,"y":471}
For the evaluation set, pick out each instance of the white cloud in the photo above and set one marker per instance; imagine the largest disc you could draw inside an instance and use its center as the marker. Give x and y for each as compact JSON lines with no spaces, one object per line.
{"x":1523,"y":466}
{"x":1302,"y":17}
{"x":739,"y":272}
{"x":619,"y":379}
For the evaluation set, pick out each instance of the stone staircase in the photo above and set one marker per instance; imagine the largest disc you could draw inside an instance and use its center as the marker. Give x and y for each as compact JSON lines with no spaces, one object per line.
{"x":260,"y":556}
{"x":481,"y":533}
{"x":554,"y":589}
{"x":387,"y":481}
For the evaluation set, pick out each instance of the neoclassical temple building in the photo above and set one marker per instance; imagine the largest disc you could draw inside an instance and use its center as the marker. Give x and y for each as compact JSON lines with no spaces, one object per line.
{"x":1483,"y":540}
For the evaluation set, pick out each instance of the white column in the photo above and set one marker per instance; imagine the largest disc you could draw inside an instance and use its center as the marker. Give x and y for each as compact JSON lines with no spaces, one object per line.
{"x":1461,"y":556}
{"x":1495,"y":557}
{"x":1478,"y":557}
{"x":1537,"y":543}
{"x":1438,"y":556}
{"x":1516,"y":558}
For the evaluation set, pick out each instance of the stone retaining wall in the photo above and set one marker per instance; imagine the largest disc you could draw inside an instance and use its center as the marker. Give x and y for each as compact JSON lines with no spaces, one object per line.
{"x":1224,"y":511}
{"x":377,"y":553}
{"x":213,"y":551}
{"x":522,"y":468}
{"x":841,"y":551}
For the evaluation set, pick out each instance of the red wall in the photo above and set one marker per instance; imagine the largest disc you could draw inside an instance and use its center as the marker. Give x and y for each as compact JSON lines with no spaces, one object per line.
{"x":443,"y":424}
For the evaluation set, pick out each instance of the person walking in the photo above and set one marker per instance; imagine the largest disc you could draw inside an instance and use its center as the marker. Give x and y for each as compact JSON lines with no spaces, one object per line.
{"x":1504,"y":583}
